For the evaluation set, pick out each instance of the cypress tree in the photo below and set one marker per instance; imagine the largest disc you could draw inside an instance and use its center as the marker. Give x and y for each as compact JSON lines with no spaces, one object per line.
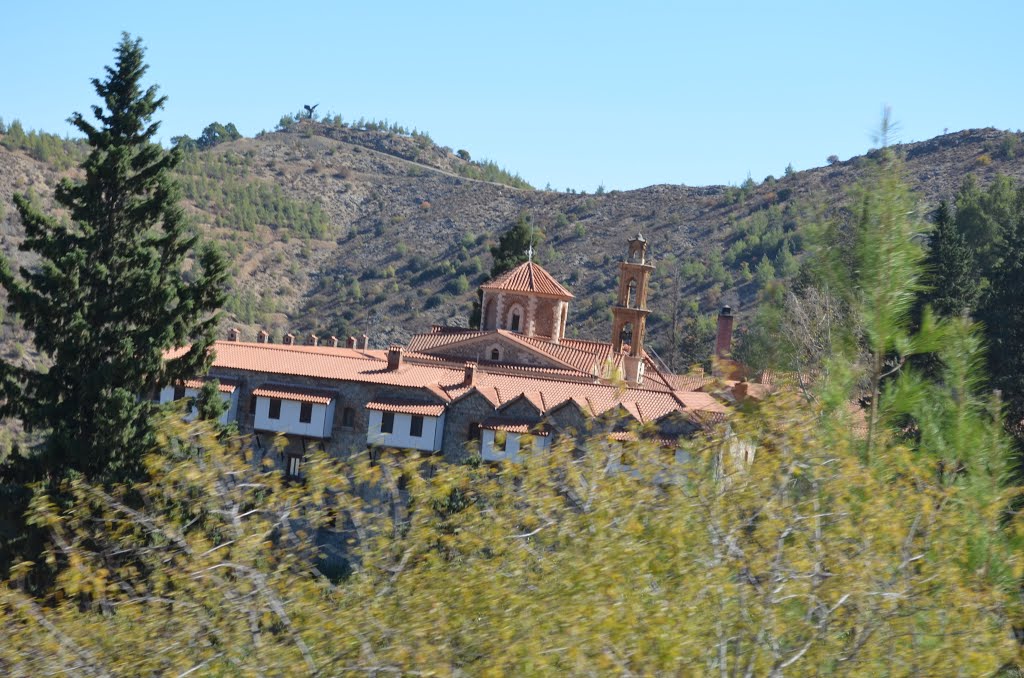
{"x":109,"y":296}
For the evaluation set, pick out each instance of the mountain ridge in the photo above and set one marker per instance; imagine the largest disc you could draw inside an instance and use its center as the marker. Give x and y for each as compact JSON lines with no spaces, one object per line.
{"x":335,"y":230}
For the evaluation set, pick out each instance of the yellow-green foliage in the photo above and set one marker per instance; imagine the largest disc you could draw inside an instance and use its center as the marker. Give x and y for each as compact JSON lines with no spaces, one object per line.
{"x":807,"y":562}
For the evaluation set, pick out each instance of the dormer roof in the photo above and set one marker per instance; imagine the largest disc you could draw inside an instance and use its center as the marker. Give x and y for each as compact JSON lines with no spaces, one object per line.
{"x":528,"y":277}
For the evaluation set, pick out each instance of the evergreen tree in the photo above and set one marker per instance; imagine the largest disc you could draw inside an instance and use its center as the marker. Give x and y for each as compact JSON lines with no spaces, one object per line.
{"x":951,"y":273}
{"x":1003,"y":316}
{"x":513,"y":246}
{"x":109,"y":297}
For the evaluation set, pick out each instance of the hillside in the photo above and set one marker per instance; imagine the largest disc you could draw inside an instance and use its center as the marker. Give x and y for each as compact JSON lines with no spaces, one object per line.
{"x":337,"y":230}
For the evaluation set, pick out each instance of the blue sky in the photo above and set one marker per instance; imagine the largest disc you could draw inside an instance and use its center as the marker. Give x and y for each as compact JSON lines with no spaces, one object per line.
{"x":574,"y":94}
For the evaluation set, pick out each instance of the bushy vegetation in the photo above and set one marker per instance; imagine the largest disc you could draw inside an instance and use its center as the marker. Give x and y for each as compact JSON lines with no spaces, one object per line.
{"x":49,"y":148}
{"x":488,"y":170}
{"x":224,"y":186}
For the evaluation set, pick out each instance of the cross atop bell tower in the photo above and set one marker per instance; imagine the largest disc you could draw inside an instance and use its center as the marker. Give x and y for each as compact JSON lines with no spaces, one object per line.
{"x":629,"y":321}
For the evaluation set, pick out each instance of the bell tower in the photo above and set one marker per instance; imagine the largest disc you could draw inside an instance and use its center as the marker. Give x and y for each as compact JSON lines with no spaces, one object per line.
{"x":629,"y":320}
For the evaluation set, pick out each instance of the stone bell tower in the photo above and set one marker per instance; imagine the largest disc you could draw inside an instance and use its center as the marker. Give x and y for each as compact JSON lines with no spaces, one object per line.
{"x":629,"y":320}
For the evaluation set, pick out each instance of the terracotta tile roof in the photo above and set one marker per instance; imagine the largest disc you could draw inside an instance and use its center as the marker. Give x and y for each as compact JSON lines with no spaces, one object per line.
{"x":222,"y":387}
{"x":341,"y":364}
{"x":514,"y":425}
{"x":690,"y":382}
{"x":528,"y":277}
{"x":434,"y":340}
{"x":545,"y":389}
{"x":403,"y":406}
{"x":287,"y":392}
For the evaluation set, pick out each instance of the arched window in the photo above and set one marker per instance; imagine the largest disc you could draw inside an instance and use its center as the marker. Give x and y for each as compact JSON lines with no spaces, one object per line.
{"x":495,"y":354}
{"x":516,"y":318}
{"x":626,"y":334}
{"x":631,"y":294}
{"x":489,"y":318}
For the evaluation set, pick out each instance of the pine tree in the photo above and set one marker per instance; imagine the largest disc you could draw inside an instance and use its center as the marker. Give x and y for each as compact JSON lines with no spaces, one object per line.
{"x":109,"y":296}
{"x":951,"y":273}
{"x":1002,"y":314}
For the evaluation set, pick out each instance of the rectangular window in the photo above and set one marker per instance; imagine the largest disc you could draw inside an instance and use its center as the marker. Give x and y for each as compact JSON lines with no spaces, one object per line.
{"x":179,"y":391}
{"x":294,"y":466}
{"x":387,"y":422}
{"x":515,"y":322}
{"x":305,"y":413}
{"x":275,"y":408}
{"x":348,"y":417}
{"x":416,"y":426}
{"x":474,"y":431}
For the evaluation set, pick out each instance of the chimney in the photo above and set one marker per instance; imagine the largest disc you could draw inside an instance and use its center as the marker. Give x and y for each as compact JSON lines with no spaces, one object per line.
{"x":312,"y":340}
{"x":234,"y":334}
{"x":470,"y":374}
{"x":334,"y":341}
{"x":351,"y":342}
{"x":289,"y":339}
{"x":723,"y":341}
{"x":366,"y":343}
{"x":262,"y":337}
{"x":394,"y":358}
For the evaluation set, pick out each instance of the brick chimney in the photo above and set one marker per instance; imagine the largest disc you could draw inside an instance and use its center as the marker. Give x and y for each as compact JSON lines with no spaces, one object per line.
{"x":723,"y":340}
{"x":312,"y":340}
{"x":234,"y":334}
{"x":350,"y":342}
{"x":394,"y":358}
{"x":334,"y":341}
{"x":262,"y":337}
{"x":470,"y":374}
{"x":289,"y":339}
{"x":365,"y":343}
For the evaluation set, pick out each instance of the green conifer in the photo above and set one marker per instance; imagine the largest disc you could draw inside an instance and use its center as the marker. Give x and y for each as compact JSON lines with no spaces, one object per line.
{"x":109,"y":297}
{"x":951,"y":272}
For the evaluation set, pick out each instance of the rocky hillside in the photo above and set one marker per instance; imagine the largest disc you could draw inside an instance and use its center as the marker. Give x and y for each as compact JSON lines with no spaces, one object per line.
{"x":337,"y":230}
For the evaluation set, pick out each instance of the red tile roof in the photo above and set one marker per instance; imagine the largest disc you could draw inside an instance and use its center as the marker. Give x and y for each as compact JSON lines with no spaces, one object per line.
{"x":222,"y":386}
{"x":514,"y":426}
{"x":528,"y":277}
{"x":302,"y":395}
{"x":403,"y":406}
{"x":545,"y":389}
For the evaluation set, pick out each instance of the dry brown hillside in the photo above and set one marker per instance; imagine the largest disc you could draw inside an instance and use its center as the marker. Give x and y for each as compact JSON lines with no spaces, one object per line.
{"x":339,"y":231}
